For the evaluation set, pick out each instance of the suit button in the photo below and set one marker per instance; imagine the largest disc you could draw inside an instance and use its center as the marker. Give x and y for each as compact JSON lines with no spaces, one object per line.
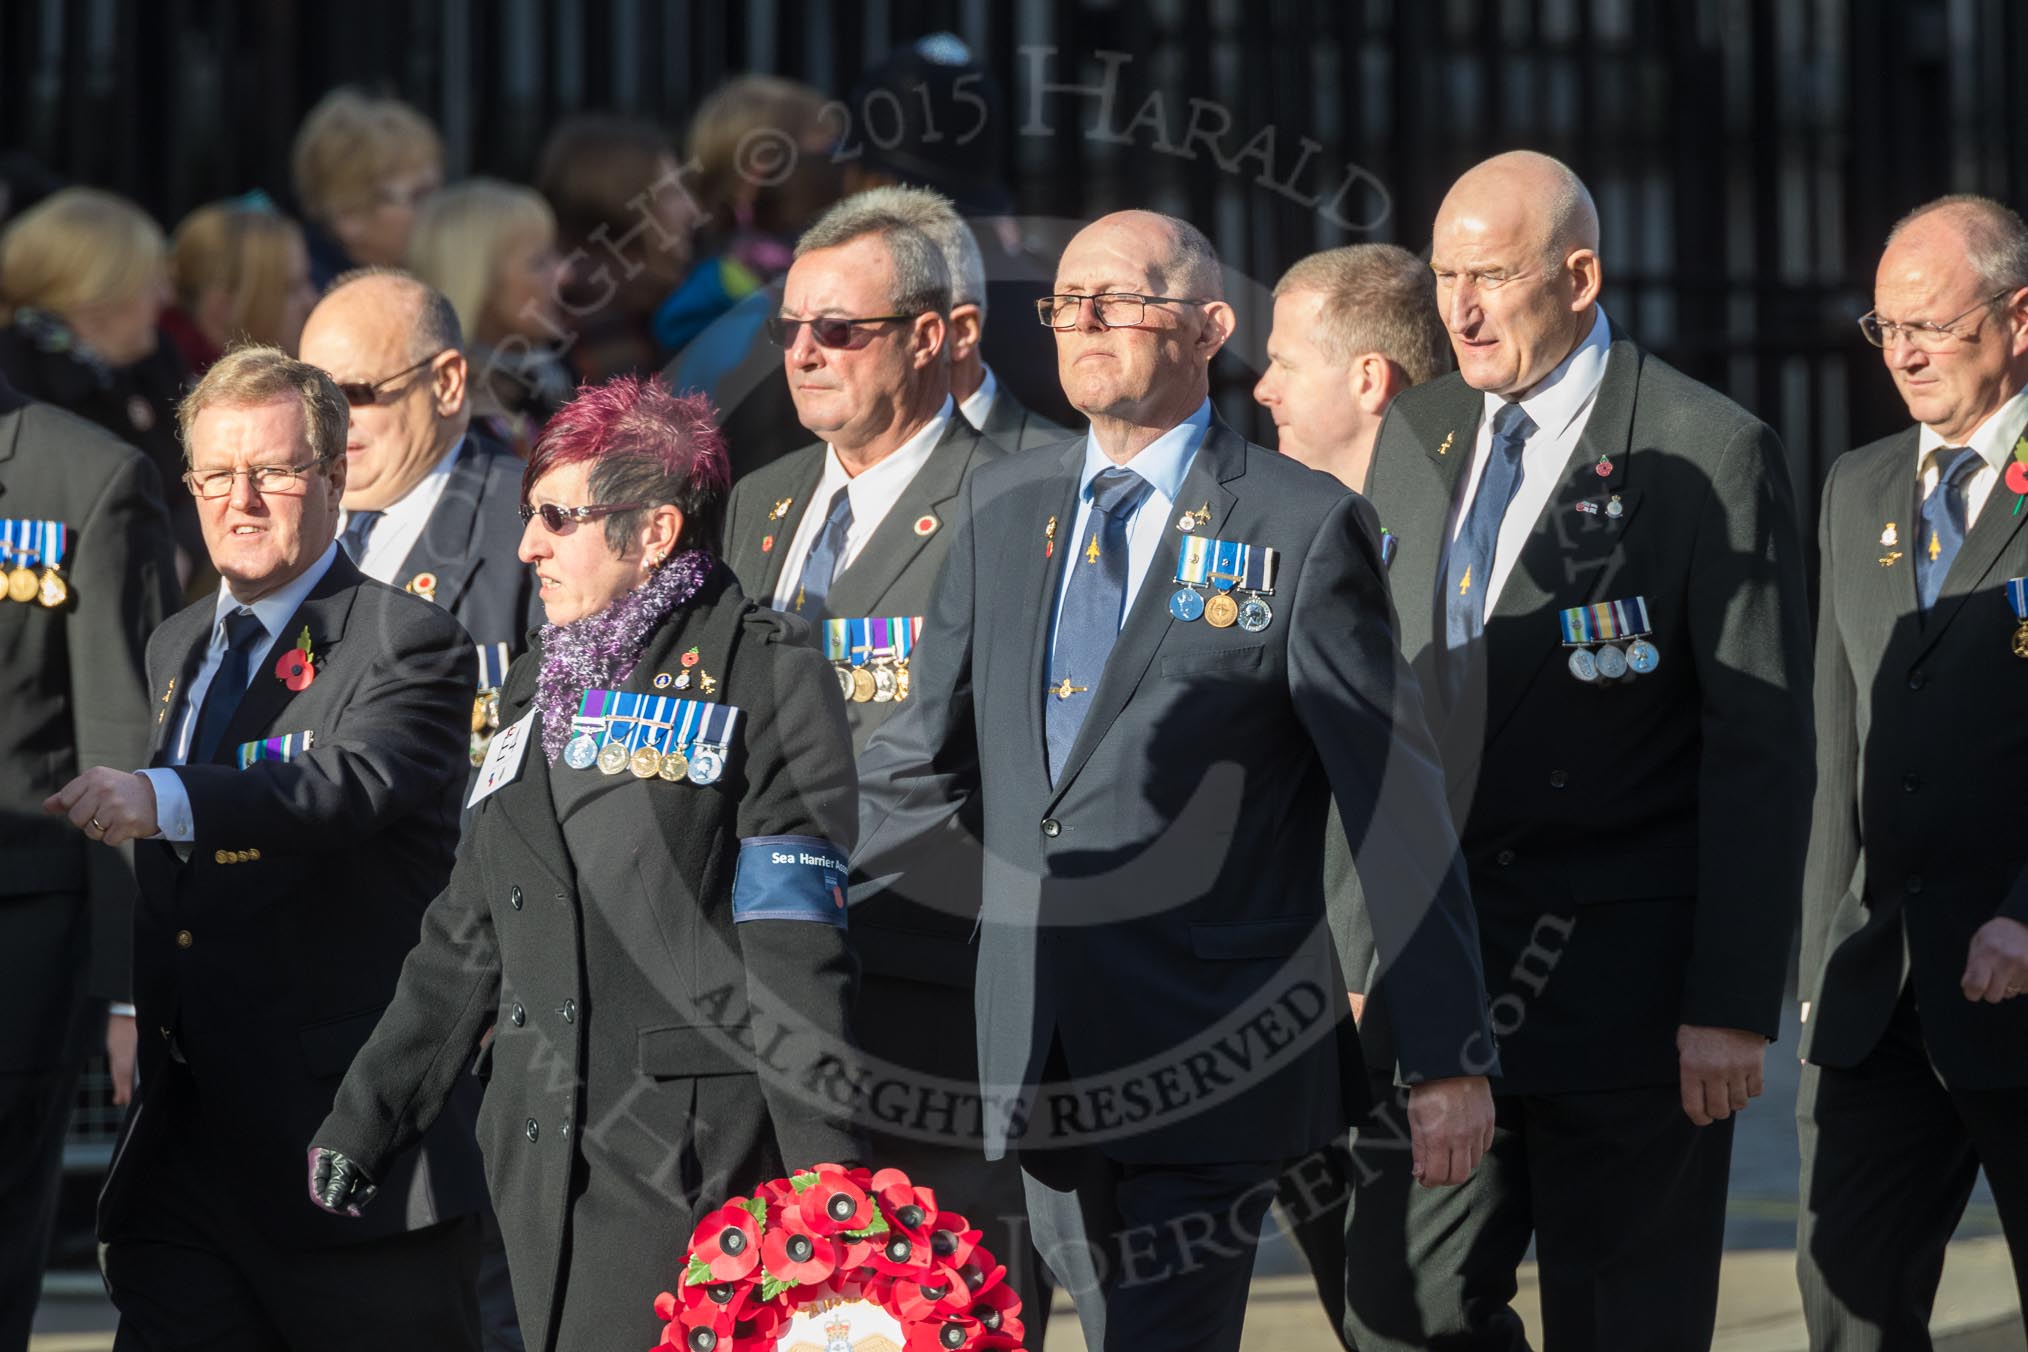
{"x":1504,"y":858}
{"x":183,"y":939}
{"x":569,"y":1011}
{"x":565,"y":1128}
{"x":1557,"y":779}
{"x":253,"y":856}
{"x":1910,"y":783}
{"x":1916,"y":680}
{"x":1051,"y":827}
{"x":514,"y":898}
{"x":534,"y":1129}
{"x":517,"y":1016}
{"x":1913,"y":885}
{"x":220,"y":857}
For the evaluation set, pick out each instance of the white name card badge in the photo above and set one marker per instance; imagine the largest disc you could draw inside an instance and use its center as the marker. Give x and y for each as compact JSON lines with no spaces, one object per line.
{"x":503,"y":759}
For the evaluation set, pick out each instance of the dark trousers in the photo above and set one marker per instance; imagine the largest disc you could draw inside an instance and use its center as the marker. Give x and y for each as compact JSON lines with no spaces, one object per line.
{"x":1154,"y":1256}
{"x":1622,"y":1194}
{"x":189,"y":1270}
{"x":1315,"y":1196}
{"x":1889,"y":1159}
{"x":35,"y":1109}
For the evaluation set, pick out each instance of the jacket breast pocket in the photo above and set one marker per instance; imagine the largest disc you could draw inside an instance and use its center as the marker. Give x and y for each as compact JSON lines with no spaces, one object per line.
{"x":1214,"y":661}
{"x":685,"y":1052}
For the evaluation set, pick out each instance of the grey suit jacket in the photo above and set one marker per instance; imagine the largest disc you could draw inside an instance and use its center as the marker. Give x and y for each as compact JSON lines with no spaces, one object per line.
{"x":1635,"y":848}
{"x":73,"y":695}
{"x":926,"y":938}
{"x":1154,"y":917}
{"x":469,"y":545}
{"x":1915,"y":841}
{"x":1017,"y":427}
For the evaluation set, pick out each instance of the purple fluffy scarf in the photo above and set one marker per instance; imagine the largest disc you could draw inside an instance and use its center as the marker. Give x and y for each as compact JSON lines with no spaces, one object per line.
{"x":600,"y":650}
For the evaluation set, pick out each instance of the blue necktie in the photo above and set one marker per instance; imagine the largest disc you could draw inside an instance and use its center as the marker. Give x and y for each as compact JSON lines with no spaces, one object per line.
{"x":1943,"y":521}
{"x":825,"y":552}
{"x":244,"y":636}
{"x":1468,"y":569}
{"x":1089,"y":623}
{"x":358,"y":528}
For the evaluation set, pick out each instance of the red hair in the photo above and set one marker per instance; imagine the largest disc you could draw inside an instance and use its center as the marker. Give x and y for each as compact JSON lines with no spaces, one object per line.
{"x":645,"y":443}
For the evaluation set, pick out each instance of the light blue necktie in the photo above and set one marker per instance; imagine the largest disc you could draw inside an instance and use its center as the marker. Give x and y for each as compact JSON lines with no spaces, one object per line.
{"x":1089,"y":624}
{"x":358,"y":530}
{"x":1943,"y":521}
{"x":1468,"y":568}
{"x":821,"y":567}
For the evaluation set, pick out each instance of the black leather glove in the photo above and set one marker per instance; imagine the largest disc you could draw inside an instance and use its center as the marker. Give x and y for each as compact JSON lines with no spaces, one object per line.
{"x":337,"y":1184}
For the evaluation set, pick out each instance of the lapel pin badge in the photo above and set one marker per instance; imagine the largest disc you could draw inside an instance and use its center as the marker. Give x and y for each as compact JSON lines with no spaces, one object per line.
{"x":1444,"y":448}
{"x":424,"y":585}
{"x":767,"y":544}
{"x":1604,"y":467}
{"x":925,"y":524}
{"x":1049,"y":539}
{"x":781,"y":509}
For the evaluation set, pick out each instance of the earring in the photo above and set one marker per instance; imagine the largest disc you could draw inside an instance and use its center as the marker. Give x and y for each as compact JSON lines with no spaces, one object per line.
{"x":654,"y":562}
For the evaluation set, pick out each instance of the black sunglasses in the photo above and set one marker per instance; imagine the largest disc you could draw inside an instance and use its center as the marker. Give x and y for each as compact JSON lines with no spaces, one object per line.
{"x":363,"y":394}
{"x":829,"y":330}
{"x":558,"y":519}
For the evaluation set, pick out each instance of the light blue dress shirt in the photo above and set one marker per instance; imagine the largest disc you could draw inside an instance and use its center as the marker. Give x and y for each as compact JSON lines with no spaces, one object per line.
{"x":275,"y":610}
{"x":1163,"y":462}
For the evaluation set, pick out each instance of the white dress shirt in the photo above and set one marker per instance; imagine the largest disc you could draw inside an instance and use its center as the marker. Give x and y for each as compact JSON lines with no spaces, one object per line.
{"x":402,"y":523}
{"x":978,"y":405}
{"x":1559,"y":407}
{"x":1162,"y":462}
{"x":274,"y":611}
{"x":1994,"y":442}
{"x":873,"y":493}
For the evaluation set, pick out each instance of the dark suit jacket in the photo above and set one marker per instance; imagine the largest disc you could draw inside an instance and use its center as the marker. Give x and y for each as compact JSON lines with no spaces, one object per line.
{"x":1016,"y":427}
{"x":72,"y":695}
{"x":1915,"y":842}
{"x":1156,"y":915}
{"x":268,"y":954}
{"x":894,"y":574}
{"x":1635,"y":849}
{"x":686,"y":1049}
{"x":470,"y":544}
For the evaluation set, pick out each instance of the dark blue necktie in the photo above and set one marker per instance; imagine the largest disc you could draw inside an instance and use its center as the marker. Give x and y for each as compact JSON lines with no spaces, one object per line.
{"x":1943,"y":521}
{"x":244,"y":637}
{"x":1468,"y":569}
{"x":1089,"y":623}
{"x":358,"y":529}
{"x":825,"y":552}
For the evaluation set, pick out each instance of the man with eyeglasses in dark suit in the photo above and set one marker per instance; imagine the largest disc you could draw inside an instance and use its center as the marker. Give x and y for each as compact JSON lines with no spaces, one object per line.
{"x":1915,"y":898}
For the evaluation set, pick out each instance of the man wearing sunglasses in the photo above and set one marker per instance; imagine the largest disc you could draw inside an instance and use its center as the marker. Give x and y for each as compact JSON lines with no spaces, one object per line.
{"x":854,"y":528}
{"x":1163,"y":1022}
{"x":431,"y":505}
{"x":298,"y":812}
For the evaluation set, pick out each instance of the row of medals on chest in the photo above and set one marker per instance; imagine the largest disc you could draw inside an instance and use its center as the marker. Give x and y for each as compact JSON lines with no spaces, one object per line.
{"x":24,"y":585}
{"x":883,"y":679}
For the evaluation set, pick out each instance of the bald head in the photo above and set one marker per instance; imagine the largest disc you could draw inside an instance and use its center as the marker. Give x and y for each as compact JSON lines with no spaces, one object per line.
{"x":1515,"y":252}
{"x":1539,"y":194}
{"x":1137,"y":380}
{"x":1177,"y":257}
{"x":395,"y":340}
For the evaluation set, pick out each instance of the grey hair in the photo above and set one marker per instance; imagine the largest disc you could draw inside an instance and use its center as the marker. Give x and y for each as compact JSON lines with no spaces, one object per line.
{"x":1996,"y":240}
{"x":936,"y":216}
{"x":1377,"y":298}
{"x":436,"y":326}
{"x":922,"y":282}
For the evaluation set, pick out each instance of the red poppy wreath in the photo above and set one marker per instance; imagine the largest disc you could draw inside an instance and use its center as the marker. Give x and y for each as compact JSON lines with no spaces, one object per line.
{"x":816,"y":1258}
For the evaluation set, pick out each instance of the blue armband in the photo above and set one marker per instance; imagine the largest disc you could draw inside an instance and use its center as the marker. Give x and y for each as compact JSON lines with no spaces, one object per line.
{"x":790,"y":878}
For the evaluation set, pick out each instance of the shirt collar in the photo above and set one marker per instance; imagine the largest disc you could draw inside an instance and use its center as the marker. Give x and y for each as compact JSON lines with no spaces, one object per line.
{"x":274,"y":609}
{"x":422,"y":498}
{"x":978,"y":405}
{"x":1567,"y":391}
{"x":898,"y":467}
{"x":1993,"y":440}
{"x":1162,"y":462}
